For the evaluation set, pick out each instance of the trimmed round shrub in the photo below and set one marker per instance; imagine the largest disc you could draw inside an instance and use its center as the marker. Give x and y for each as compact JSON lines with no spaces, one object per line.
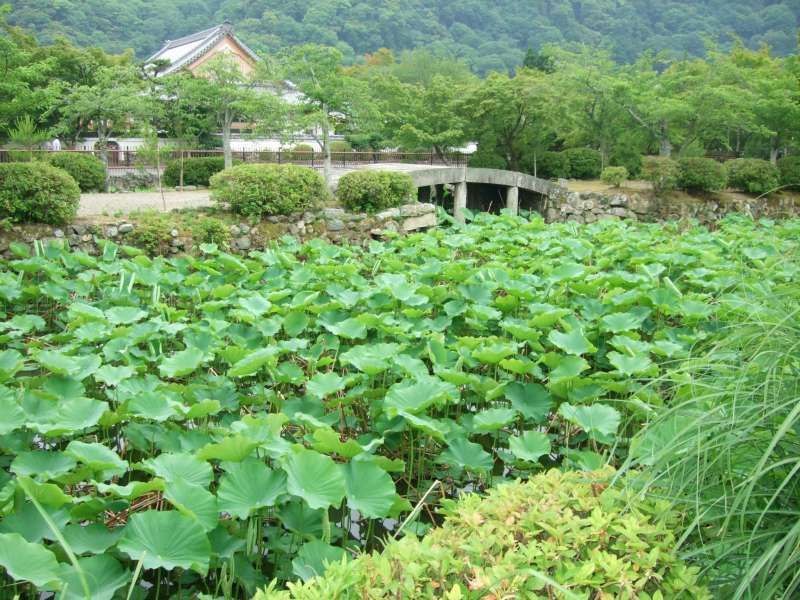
{"x":584,"y":163}
{"x":549,"y":165}
{"x":661,"y":172}
{"x":301,"y":152}
{"x":260,"y":190}
{"x":752,"y":175}
{"x":373,"y":191}
{"x":87,"y":170}
{"x":789,"y":167}
{"x":196,"y":171}
{"x":701,"y":175}
{"x":341,"y":146}
{"x":614,"y":176}
{"x":37,"y":192}
{"x":570,"y":527}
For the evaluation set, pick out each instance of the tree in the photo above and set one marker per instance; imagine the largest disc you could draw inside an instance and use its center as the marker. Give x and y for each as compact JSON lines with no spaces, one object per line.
{"x":539,"y":61}
{"x":328,"y":95}
{"x":115,"y":103}
{"x":509,"y":114}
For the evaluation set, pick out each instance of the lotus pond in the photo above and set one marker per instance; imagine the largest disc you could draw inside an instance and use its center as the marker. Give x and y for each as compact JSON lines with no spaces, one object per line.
{"x":204,"y":425}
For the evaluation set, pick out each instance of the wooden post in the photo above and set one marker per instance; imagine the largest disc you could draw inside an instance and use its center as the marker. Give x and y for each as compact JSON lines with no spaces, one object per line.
{"x":512,"y":200}
{"x":460,"y":203}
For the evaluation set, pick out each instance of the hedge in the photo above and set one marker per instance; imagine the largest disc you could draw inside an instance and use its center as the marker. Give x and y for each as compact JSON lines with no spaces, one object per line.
{"x":789,"y":167}
{"x":373,"y":191}
{"x":661,"y":172}
{"x":752,"y":175}
{"x":549,"y":165}
{"x":37,"y":192}
{"x":261,"y":189}
{"x":614,"y":176}
{"x":701,"y":175}
{"x":196,"y":171}
{"x":88,"y":171}
{"x":525,"y":540}
{"x":584,"y":163}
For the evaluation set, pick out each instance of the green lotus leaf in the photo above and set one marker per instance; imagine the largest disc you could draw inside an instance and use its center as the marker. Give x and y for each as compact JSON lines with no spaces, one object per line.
{"x":568,"y":367}
{"x":467,"y":455}
{"x":630,"y":365}
{"x":327,"y":441}
{"x":416,"y":396}
{"x":594,"y":419}
{"x":113,"y":376}
{"x":371,"y":359}
{"x":532,"y":400}
{"x":313,"y":557}
{"x":90,"y":539}
{"x":11,"y":362}
{"x":42,"y":464}
{"x":132,"y":490}
{"x":193,"y":501}
{"x":370,"y":489}
{"x":234,"y":448}
{"x":573,"y":342}
{"x":181,"y":363}
{"x":619,"y":322}
{"x":59,"y":363}
{"x":103,"y":574}
{"x":324,"y":384}
{"x":493,"y":419}
{"x":174,"y":467}
{"x":315,"y":478}
{"x":351,"y":329}
{"x":295,"y":323}
{"x":436,"y":429}
{"x":70,"y":416}
{"x":166,"y":540}
{"x":494,"y":353}
{"x":26,"y":561}
{"x":248,"y":486}
{"x":124,"y":315}
{"x":255,"y":304}
{"x":254,"y":362}
{"x":95,"y":456}
{"x":154,"y":406}
{"x":530,"y":446}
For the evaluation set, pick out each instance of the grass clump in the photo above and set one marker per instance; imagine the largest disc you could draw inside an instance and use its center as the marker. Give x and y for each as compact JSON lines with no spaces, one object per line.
{"x":373,"y":191}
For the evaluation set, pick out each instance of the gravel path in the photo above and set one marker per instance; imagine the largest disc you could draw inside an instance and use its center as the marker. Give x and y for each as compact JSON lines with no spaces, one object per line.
{"x":125,"y":203}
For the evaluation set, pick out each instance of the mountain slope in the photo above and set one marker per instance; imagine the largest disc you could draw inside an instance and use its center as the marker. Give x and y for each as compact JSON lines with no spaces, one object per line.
{"x":488,"y":35}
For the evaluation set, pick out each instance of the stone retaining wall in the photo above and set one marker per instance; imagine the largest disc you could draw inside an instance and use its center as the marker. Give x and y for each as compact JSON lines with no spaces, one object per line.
{"x":333,"y":224}
{"x":588,"y":207}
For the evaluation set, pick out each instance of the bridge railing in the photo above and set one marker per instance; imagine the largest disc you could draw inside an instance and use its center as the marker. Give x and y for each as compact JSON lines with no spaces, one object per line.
{"x":126,"y":160}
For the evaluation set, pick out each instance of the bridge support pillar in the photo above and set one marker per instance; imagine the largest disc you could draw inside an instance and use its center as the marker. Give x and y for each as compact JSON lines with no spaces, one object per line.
{"x":512,"y":200}
{"x":460,"y":201}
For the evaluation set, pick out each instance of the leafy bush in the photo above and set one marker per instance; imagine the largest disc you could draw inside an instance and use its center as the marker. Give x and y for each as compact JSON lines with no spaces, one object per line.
{"x":557,"y":531}
{"x":153,"y":233}
{"x":36,"y":192}
{"x":264,"y":189}
{"x":551,"y":165}
{"x":196,"y":171}
{"x":88,"y":171}
{"x":630,"y":158}
{"x":584,"y":163}
{"x":614,"y":176}
{"x":701,"y":175}
{"x":372,"y":191}
{"x":789,"y":167}
{"x":301,"y":152}
{"x":341,"y":146}
{"x":661,"y":172}
{"x":210,"y":230}
{"x":752,"y":175}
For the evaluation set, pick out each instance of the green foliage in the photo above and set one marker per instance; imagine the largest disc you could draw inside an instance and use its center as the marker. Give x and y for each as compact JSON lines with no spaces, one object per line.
{"x":282,"y":409}
{"x":701,"y":175}
{"x":89,"y":172}
{"x":629,"y":158}
{"x":373,"y":191}
{"x":196,"y":171}
{"x":662,"y":173}
{"x":752,"y":175}
{"x":741,"y":500}
{"x":301,"y":152}
{"x":789,"y":167}
{"x":515,"y":542}
{"x":341,"y":146}
{"x":261,"y":190}
{"x":153,"y":233}
{"x":614,"y":176}
{"x":210,"y":230}
{"x":36,"y":192}
{"x":584,"y":163}
{"x":551,"y":165}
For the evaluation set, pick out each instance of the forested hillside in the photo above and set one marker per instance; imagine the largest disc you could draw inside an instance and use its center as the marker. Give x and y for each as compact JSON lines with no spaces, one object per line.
{"x":487,"y":35}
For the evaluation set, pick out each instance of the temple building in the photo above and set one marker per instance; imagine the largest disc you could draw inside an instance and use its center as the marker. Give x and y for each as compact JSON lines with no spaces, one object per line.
{"x":192,"y":51}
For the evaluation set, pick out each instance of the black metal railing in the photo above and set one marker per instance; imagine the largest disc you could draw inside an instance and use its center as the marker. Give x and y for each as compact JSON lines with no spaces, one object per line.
{"x":125,"y":159}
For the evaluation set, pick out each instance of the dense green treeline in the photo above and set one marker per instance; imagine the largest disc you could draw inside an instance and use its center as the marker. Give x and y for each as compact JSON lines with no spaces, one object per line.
{"x":486,"y":35}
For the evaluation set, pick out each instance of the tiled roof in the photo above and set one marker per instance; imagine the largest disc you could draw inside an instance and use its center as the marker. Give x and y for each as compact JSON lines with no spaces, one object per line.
{"x":188,"y":49}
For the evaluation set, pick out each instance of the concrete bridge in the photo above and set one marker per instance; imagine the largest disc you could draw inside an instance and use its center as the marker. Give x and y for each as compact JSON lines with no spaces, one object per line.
{"x":425,"y":176}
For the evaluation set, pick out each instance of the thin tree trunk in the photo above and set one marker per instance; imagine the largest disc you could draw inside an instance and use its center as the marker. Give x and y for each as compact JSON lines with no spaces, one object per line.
{"x":773,"y":151}
{"x":665,"y":149}
{"x":326,"y":146}
{"x":102,"y":146}
{"x":226,"y":141}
